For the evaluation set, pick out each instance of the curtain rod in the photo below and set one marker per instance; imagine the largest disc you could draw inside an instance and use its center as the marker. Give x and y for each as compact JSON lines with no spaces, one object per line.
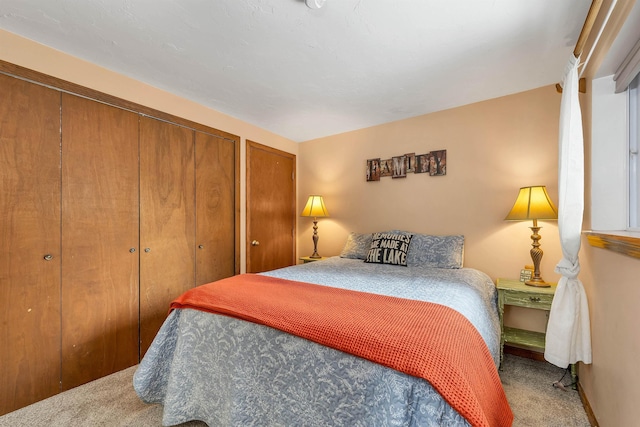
{"x":596,"y":40}
{"x":586,"y":28}
{"x":582,"y":38}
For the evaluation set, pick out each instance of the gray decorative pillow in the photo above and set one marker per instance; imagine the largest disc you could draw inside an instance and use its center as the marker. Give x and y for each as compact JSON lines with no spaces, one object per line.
{"x":389,"y":248}
{"x":436,"y":251}
{"x":357,"y":246}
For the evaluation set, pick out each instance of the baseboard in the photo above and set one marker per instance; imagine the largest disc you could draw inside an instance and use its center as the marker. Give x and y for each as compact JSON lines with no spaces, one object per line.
{"x":523,"y":352}
{"x":535,"y":355}
{"x":587,"y":407}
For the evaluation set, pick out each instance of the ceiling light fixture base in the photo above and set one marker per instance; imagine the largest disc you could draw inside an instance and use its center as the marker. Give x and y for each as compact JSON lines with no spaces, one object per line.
{"x":314,"y":4}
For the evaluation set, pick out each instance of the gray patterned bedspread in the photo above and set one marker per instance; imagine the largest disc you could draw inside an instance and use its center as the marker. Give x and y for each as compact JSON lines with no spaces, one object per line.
{"x":229,"y":372}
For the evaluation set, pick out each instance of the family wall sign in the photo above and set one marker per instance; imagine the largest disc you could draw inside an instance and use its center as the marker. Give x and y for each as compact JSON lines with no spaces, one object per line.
{"x":433,"y":163}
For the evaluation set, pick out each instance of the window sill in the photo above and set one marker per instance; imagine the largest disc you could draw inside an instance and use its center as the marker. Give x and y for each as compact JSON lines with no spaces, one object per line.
{"x":624,"y":242}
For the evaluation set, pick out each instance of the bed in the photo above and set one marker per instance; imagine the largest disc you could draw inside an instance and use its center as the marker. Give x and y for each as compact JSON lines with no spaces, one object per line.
{"x":228,"y":371}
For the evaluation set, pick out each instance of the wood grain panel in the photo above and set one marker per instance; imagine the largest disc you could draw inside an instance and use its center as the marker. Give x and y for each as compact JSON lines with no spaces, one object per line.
{"x":626,"y":244}
{"x":167,"y":215}
{"x":215,"y":208}
{"x":28,"y":367}
{"x":100,"y":219}
{"x":270,"y":208}
{"x":30,"y":229}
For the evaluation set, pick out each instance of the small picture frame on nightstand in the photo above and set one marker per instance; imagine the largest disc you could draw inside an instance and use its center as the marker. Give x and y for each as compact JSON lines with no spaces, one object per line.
{"x":525,"y":275}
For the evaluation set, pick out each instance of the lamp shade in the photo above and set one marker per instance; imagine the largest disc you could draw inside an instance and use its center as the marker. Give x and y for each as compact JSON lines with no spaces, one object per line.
{"x":532,"y":203}
{"x":315,"y":207}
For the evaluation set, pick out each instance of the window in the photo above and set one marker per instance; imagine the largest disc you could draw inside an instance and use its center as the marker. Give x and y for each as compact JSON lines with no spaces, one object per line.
{"x":615,"y":162}
{"x":615,"y":167}
{"x":609,"y":157}
{"x":634,"y":158}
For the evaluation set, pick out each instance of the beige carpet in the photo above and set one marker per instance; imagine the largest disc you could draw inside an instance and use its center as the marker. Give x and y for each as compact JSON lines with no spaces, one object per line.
{"x":533,"y":399}
{"x":111,"y":401}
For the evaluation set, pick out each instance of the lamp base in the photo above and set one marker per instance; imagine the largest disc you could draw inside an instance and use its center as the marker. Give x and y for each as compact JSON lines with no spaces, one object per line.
{"x":536,"y":257}
{"x":315,"y":237}
{"x":537,"y":283}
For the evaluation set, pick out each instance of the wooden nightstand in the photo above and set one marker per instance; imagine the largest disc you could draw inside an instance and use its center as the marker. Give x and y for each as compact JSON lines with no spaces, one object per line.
{"x":306,"y":259}
{"x":516,"y":293}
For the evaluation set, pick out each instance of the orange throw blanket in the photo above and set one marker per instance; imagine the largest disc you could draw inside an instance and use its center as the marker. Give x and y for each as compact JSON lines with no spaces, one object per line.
{"x":422,"y":339}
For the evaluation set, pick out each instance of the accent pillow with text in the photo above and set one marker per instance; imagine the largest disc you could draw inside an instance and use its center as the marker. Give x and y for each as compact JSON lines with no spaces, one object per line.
{"x":389,"y":248}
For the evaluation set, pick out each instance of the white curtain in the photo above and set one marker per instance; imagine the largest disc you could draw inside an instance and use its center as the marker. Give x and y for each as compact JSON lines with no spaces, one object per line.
{"x":568,"y":335}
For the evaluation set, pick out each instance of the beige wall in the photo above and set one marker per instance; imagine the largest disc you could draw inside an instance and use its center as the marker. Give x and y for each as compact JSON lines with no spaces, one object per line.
{"x":26,"y":53}
{"x":611,"y":381}
{"x":493,"y":148}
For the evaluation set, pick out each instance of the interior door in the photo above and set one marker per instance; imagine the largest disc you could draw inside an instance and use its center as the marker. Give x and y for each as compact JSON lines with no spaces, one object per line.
{"x":271,"y":207}
{"x":167,"y":221}
{"x":215,"y":208}
{"x":30,"y":243}
{"x":99,"y":237}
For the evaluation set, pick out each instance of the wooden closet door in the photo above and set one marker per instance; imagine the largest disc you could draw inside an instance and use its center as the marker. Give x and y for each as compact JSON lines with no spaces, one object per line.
{"x":215,"y":208}
{"x":167,"y":221}
{"x":29,"y":243}
{"x":99,"y":240}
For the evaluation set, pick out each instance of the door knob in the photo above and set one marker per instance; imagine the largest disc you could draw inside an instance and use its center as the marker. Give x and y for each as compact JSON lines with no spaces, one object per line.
{"x":48,"y":257}
{"x":200,"y":246}
{"x":255,"y":243}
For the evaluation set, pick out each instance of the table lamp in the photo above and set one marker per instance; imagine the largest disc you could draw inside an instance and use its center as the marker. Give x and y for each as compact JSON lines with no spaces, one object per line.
{"x":315,"y":208}
{"x":533,"y":203}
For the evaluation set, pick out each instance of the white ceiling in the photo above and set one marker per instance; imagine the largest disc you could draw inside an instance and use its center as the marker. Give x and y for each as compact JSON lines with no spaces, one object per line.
{"x":304,"y":73}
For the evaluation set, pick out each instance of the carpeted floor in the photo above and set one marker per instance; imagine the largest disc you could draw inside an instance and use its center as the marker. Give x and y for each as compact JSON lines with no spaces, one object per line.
{"x":533,"y":399}
{"x":111,"y":401}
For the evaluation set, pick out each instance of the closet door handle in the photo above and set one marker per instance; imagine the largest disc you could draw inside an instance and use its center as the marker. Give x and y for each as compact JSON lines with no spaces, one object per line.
{"x":132,"y":250}
{"x":255,"y":243}
{"x":200,"y":246}
{"x":147,"y":249}
{"x":48,"y":257}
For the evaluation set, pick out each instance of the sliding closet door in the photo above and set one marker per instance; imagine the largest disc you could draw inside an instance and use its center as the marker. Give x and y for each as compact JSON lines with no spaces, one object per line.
{"x":30,"y":243}
{"x":99,"y":240}
{"x":215,"y":208}
{"x":167,"y":221}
